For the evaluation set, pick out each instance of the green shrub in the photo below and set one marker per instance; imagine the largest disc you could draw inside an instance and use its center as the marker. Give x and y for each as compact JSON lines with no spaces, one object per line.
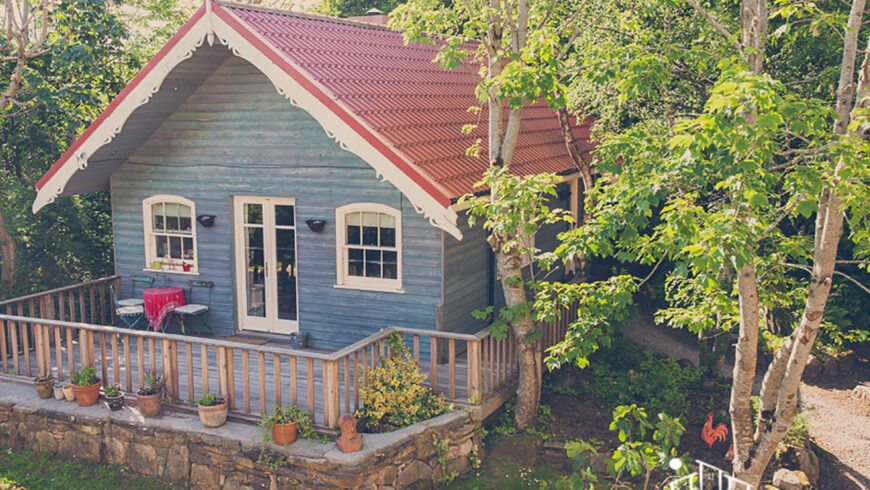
{"x":393,"y":394}
{"x":286,"y":415}
{"x":113,"y":390}
{"x":87,"y":377}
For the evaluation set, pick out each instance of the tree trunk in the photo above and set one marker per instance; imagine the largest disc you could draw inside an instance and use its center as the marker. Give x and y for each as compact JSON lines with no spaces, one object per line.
{"x":7,"y":255}
{"x":529,"y":354}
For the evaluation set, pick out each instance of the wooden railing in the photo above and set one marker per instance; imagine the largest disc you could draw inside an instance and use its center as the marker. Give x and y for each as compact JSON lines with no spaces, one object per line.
{"x":86,"y":302}
{"x":467,"y":368}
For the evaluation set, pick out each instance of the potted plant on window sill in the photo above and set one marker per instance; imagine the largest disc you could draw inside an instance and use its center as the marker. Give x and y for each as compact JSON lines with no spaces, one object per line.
{"x":44,"y":386}
{"x":282,"y":426}
{"x":149,"y":397}
{"x":86,"y":385}
{"x":212,"y":409}
{"x":114,"y":397}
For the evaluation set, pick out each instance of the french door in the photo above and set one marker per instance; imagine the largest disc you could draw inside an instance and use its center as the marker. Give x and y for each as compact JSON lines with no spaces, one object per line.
{"x":265,"y":244}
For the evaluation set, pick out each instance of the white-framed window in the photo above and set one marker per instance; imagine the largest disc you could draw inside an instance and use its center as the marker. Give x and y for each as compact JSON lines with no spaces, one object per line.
{"x":170,"y":235}
{"x":368,"y":248}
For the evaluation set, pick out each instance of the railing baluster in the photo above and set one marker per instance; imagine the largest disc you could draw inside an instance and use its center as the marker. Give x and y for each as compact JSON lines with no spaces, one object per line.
{"x":25,"y":340}
{"x":127,"y":374}
{"x":261,"y":365}
{"x":433,"y":362}
{"x":331,"y":393}
{"x":40,"y":363}
{"x":347,"y":384}
{"x":152,"y":358}
{"x":103,"y":366}
{"x":223,"y":382}
{"x":246,"y":383}
{"x":309,"y":375}
{"x":294,"y":392}
{"x":116,"y":365}
{"x":82,"y":310}
{"x":168,"y":375}
{"x":417,"y":348}
{"x":484,"y":347}
{"x":3,"y":357}
{"x":83,"y":348}
{"x":276,"y":360}
{"x":140,"y":364}
{"x":356,"y":380}
{"x":451,"y":368}
{"x":58,"y":353}
{"x":473,"y":372}
{"x":13,"y":339}
{"x":103,"y":303}
{"x":188,"y":356}
{"x":70,"y":351}
{"x":231,"y":379}
{"x":93,"y":309}
{"x":203,"y":350}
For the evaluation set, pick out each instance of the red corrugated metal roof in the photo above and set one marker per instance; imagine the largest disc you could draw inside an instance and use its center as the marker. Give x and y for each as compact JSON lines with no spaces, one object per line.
{"x":408,"y":100}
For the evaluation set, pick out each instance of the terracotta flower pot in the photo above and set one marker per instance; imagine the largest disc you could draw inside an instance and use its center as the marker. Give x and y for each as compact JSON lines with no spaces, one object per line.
{"x":44,"y":387}
{"x":88,"y":395}
{"x":115,"y":402}
{"x":149,"y":405}
{"x":69,"y":393}
{"x":213,"y":416}
{"x":284,"y":434}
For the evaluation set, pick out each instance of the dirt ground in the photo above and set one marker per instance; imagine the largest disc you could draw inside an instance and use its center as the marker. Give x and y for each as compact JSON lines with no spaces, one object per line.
{"x":840,"y":426}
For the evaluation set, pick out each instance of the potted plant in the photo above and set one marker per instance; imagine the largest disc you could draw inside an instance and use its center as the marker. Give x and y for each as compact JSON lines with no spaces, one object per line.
{"x":44,"y":385}
{"x":283,"y":424}
{"x":86,"y":384}
{"x":69,"y":393}
{"x":149,"y":397}
{"x":114,"y":397}
{"x":212,"y":410}
{"x":58,"y":391}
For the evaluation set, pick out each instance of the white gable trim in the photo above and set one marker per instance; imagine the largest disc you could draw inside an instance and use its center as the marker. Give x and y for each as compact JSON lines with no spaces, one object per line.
{"x":209,"y":26}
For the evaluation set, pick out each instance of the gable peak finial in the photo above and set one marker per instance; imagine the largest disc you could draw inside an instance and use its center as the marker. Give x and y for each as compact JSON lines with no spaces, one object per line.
{"x":208,"y":12}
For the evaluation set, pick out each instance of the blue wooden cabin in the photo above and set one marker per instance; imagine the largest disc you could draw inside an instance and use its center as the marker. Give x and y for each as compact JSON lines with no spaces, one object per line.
{"x":308,"y":167}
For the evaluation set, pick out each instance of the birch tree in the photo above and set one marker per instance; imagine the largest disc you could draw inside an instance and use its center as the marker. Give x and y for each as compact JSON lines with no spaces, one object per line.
{"x":723,"y":197}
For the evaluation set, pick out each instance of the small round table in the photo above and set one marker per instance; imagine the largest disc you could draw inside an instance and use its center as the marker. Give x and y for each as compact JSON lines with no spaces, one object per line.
{"x":159,"y":303}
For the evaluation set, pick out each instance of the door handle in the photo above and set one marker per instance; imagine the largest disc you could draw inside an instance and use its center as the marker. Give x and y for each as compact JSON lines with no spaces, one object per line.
{"x":266,"y":268}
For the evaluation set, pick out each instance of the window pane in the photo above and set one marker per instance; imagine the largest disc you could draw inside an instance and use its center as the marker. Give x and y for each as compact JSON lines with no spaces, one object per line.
{"x":285,"y":246}
{"x":161,"y":246}
{"x":370,"y":229}
{"x":254,"y":214}
{"x":284,"y":216}
{"x":373,"y":263}
{"x":184,"y":220}
{"x":175,"y":247}
{"x":391,"y":267}
{"x":188,"y":248}
{"x":355,"y":262}
{"x":388,"y":237}
{"x":157,"y":216}
{"x":255,"y":274}
{"x":388,"y":221}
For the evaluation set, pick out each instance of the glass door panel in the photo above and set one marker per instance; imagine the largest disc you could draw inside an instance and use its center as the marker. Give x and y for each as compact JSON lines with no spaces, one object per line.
{"x":285,"y":262}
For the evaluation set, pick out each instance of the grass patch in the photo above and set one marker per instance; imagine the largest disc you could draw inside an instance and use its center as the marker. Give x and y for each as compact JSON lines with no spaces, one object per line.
{"x":26,"y":469}
{"x":505,"y":475}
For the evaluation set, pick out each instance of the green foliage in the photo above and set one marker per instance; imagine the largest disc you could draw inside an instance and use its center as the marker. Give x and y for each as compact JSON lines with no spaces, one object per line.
{"x":626,"y":374}
{"x":209,"y":400}
{"x":637,"y":455}
{"x":393,"y":394}
{"x":285,"y":415}
{"x":85,"y":377}
{"x":27,"y":469}
{"x":113,"y":390}
{"x":42,"y":379}
{"x":153,"y":386}
{"x":353,"y":8}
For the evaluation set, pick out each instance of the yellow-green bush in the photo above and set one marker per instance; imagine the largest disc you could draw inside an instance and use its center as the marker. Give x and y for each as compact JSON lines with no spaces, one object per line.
{"x":393,"y":394}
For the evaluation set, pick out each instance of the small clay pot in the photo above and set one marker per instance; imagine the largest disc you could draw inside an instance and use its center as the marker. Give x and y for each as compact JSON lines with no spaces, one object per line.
{"x":213,"y":416}
{"x":58,"y":391}
{"x":284,"y":434}
{"x":115,"y":402}
{"x":44,"y":387}
{"x":149,"y":405}
{"x":88,"y":395}
{"x":69,"y":393}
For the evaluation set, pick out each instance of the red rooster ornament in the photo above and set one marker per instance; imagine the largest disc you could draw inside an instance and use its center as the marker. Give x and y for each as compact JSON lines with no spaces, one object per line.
{"x":710,"y":434}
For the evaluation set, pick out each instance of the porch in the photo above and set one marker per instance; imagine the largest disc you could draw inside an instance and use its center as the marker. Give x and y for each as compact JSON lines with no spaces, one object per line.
{"x":62,"y":330}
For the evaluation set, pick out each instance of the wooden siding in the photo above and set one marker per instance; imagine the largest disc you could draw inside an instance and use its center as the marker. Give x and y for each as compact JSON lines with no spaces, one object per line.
{"x":467,"y":275}
{"x":235,"y":135}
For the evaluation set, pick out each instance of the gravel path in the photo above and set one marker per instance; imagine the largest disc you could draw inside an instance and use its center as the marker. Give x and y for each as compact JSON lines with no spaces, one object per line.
{"x":840,"y":426}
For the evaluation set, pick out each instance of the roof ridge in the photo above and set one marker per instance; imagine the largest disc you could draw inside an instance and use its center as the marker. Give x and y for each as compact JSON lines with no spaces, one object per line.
{"x":304,"y":15}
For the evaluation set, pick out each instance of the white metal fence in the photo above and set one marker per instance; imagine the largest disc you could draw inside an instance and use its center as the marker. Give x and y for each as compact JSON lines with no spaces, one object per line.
{"x":709,"y":477}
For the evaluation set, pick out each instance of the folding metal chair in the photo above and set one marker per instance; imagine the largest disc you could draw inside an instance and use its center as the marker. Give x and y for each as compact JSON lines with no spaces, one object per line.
{"x":132,"y":316}
{"x":195,"y":310}
{"x":146,"y":281}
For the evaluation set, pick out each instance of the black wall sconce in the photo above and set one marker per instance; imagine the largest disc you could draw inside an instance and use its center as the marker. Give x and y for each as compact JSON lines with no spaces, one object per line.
{"x":315,"y":225}
{"x":206,"y":220}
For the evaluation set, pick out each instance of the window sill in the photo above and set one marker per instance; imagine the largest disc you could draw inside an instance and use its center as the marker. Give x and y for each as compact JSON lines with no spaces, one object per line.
{"x":379,"y":289}
{"x":168,"y":271}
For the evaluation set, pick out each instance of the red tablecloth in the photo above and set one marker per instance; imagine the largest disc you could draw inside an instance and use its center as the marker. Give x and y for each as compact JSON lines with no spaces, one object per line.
{"x":160,"y":302}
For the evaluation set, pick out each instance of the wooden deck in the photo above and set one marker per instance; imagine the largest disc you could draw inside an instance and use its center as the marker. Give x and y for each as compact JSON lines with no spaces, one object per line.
{"x":194,"y":381}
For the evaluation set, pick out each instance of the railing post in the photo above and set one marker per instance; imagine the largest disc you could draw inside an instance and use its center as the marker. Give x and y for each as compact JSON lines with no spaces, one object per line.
{"x":474,"y":378}
{"x":169,"y":374}
{"x":332,"y":393}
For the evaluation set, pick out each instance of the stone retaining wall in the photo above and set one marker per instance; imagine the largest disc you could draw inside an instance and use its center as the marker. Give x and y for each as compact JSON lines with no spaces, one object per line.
{"x":177,"y":448}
